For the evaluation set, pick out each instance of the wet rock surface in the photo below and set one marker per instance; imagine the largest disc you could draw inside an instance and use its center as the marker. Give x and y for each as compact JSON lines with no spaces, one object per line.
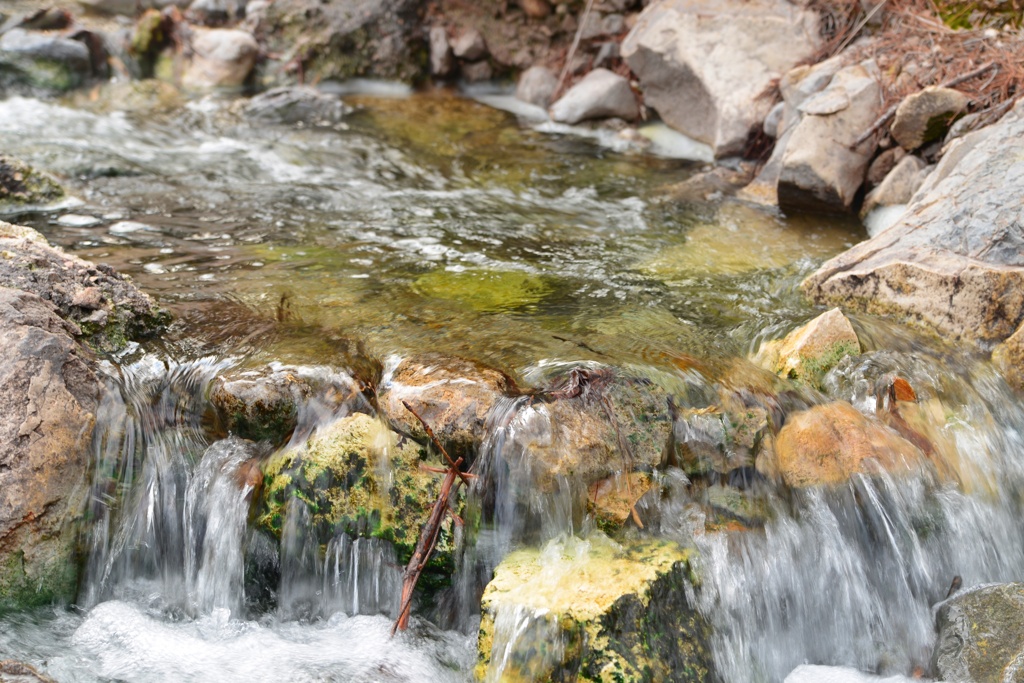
{"x":355,"y":476}
{"x":106,"y":308}
{"x":452,"y":395}
{"x":595,"y":611}
{"x":708,"y":67}
{"x":981,"y":635}
{"x":37,"y":60}
{"x":954,"y":259}
{"x":810,"y":351}
{"x":48,"y":400}
{"x":829,"y":443}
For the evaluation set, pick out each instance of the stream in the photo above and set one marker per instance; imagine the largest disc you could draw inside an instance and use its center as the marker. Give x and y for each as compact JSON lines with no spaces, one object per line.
{"x":430,"y":221}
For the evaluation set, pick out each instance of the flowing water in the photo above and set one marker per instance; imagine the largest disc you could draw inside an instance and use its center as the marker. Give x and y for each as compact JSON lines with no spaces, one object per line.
{"x":433,"y":222}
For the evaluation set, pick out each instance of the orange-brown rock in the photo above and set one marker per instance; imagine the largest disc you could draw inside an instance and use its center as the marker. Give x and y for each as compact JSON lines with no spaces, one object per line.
{"x":828,"y":443}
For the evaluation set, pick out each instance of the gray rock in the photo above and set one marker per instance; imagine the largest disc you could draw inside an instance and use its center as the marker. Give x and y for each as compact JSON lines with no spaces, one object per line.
{"x":926,"y":116}
{"x":981,"y":633}
{"x":819,"y":169}
{"x":342,"y":40}
{"x":709,"y":67}
{"x":124,"y":7}
{"x":221,"y":58}
{"x":600,"y":94}
{"x":897,"y":187}
{"x":773,"y":122}
{"x":213,"y":12}
{"x":883,"y":164}
{"x":474,"y":72}
{"x":607,"y":53}
{"x":48,"y":400}
{"x":955,"y":259}
{"x":536,"y":85}
{"x":296,"y":104}
{"x":42,"y":60}
{"x":470,"y":46}
{"x":441,"y":61}
{"x":64,"y":280}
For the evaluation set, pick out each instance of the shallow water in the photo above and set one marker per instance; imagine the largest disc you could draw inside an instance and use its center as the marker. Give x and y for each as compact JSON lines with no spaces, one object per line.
{"x":433,"y":222}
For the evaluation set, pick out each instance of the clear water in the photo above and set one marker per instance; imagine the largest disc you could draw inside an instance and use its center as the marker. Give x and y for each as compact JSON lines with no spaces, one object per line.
{"x":433,"y":222}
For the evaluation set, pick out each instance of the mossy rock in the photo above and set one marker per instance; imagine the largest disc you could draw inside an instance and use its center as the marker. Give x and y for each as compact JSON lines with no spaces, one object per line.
{"x":809,"y":352}
{"x":358,"y":477}
{"x":21,"y":185}
{"x":981,"y":635}
{"x":24,"y":584}
{"x":593,"y":611}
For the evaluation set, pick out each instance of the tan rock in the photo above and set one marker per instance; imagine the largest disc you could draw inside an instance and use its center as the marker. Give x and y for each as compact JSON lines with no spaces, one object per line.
{"x":453,"y":395}
{"x":829,"y":443}
{"x":221,"y":58}
{"x":926,"y":116}
{"x":1009,"y":358}
{"x":612,"y":500}
{"x":810,"y":351}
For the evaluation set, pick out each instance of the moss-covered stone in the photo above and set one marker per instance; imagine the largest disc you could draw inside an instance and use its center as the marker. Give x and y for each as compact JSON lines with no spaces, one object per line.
{"x":593,"y":611}
{"x":24,"y":585}
{"x":808,"y":352}
{"x":21,"y":185}
{"x":486,"y":291}
{"x":981,"y":635}
{"x":358,"y":477}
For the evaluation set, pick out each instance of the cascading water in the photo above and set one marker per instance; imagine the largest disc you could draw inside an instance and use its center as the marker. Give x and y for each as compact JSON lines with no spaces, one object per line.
{"x":314,"y":238}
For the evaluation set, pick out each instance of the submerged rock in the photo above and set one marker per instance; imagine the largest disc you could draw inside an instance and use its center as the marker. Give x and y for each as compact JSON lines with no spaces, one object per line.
{"x":926,"y":116}
{"x":981,"y":635}
{"x":829,"y":443}
{"x":12,"y":671}
{"x":955,"y":258}
{"x":709,"y":67}
{"x":453,"y":395}
{"x":295,"y":104}
{"x":594,"y":611}
{"x":821,"y":169}
{"x":21,"y":186}
{"x":107,"y":309}
{"x":356,"y":476}
{"x":48,"y":400}
{"x":808,"y":352}
{"x":600,"y":94}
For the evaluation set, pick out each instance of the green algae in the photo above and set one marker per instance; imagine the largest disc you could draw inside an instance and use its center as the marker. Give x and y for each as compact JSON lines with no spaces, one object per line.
{"x":486,"y":291}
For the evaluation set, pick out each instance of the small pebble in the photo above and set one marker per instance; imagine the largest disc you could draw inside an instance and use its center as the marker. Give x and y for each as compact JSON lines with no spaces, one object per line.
{"x":75,"y":220}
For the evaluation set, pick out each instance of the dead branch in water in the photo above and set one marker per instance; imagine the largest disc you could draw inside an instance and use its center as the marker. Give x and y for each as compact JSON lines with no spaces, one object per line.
{"x":431,"y":530}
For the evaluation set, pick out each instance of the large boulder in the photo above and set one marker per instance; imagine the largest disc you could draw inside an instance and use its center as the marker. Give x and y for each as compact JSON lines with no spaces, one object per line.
{"x":591,"y":610}
{"x":829,"y":443}
{"x":105,"y":307}
{"x":48,"y":400}
{"x":981,"y":635}
{"x":710,"y":67}
{"x":821,"y":168}
{"x":955,"y":259}
{"x":352,"y":38}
